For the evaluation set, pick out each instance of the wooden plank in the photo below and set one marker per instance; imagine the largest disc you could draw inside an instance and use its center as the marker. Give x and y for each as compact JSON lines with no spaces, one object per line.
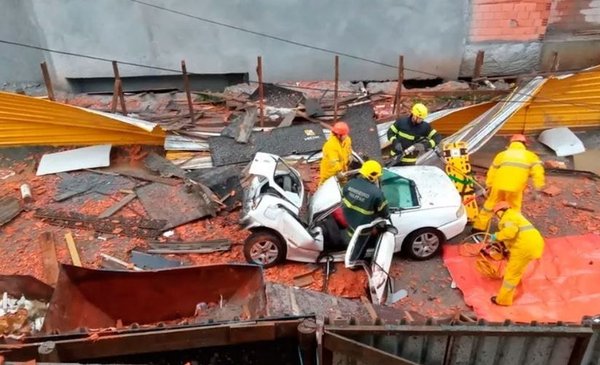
{"x":49,"y":261}
{"x":117,"y":206}
{"x":369,"y":306}
{"x":360,"y":352}
{"x":190,"y":247}
{"x":145,"y":176}
{"x":72,"y":249}
{"x":47,"y":81}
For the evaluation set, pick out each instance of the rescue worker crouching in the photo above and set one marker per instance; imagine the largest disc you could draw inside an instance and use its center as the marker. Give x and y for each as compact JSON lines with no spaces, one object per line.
{"x":507,"y":179}
{"x":524,"y":244}
{"x":337,"y":152}
{"x":362,"y":202}
{"x":411,"y":130}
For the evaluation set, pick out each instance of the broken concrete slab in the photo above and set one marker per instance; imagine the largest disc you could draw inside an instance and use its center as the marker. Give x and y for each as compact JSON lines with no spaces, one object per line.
{"x":240,"y":128}
{"x":132,"y":227}
{"x":79,"y":183}
{"x":363,"y":131}
{"x":278,"y":96}
{"x":77,"y":159}
{"x":10,"y":207}
{"x":588,"y":161}
{"x":162,"y":166}
{"x":313,"y":107}
{"x":176,"y":205}
{"x":299,"y":139}
{"x":562,"y":141}
{"x":222,"y":181}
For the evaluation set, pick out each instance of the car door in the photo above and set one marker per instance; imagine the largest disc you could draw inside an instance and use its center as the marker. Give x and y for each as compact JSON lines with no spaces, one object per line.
{"x":378,"y":267}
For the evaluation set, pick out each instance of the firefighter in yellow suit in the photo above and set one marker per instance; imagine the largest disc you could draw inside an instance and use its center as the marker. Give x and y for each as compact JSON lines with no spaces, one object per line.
{"x":524,"y":244}
{"x":507,"y":179}
{"x":337,"y":152}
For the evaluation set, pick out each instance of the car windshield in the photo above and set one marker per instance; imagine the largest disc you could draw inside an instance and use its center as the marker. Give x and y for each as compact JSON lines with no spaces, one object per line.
{"x":399,"y":191}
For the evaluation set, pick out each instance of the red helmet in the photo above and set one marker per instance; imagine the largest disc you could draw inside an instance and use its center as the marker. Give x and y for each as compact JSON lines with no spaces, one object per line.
{"x":340,"y":128}
{"x":501,"y":206}
{"x":518,"y":138}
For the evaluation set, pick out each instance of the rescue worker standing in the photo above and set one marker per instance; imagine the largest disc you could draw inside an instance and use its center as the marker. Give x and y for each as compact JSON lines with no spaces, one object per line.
{"x":362,"y":199}
{"x":524,"y":244}
{"x":507,"y":179}
{"x":411,"y":130}
{"x":337,"y":152}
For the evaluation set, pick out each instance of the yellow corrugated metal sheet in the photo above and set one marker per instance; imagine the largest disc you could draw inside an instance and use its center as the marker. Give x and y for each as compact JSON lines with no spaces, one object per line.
{"x":452,"y":122}
{"x":572,"y":102}
{"x":26,"y":120}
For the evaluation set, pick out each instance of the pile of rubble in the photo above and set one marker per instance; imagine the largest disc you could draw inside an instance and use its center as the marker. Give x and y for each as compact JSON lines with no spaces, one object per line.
{"x":21,"y":316}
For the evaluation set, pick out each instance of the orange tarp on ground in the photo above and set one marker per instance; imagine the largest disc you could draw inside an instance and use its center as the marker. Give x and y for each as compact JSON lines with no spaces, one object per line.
{"x":563,"y":286}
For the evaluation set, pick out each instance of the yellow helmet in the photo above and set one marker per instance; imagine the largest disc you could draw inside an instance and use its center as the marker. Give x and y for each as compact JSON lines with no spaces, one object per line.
{"x":371,"y":169}
{"x":420,"y":110}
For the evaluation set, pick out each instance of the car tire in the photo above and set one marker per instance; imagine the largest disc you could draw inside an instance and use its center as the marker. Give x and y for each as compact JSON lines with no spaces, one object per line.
{"x":264,"y":248}
{"x":423,"y":244}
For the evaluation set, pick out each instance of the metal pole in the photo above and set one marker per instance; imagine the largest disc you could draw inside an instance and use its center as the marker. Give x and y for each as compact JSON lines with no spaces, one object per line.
{"x":335,"y":90}
{"x":397,"y":100}
{"x":261,"y":91}
{"x":186,"y":86}
{"x":47,"y":81}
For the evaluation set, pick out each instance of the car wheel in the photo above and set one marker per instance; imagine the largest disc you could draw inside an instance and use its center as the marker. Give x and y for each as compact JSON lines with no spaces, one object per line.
{"x":423,"y":243}
{"x":264,"y":248}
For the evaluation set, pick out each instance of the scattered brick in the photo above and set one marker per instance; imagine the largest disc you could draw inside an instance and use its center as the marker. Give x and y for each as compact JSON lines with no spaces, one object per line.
{"x":552,"y":190}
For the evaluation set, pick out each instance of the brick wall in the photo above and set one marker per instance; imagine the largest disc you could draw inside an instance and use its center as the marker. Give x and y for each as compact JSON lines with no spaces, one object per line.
{"x":509,"y":20}
{"x":574,"y":17}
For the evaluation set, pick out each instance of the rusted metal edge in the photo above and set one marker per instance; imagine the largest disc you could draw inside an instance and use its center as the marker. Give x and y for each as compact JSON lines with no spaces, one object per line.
{"x":465,"y":330}
{"x":162,"y":340}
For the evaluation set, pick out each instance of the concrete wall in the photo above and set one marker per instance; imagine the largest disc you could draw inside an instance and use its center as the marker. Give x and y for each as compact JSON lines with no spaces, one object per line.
{"x":429,"y":33}
{"x":437,"y":36}
{"x":18,"y":24}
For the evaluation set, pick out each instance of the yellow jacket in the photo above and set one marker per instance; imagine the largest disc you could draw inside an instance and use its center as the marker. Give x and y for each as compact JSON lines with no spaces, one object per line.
{"x":336,"y":157}
{"x":511,"y":169}
{"x":518,"y":234}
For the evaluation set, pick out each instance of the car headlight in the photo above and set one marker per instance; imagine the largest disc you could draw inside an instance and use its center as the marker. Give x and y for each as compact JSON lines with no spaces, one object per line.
{"x":460,"y":211}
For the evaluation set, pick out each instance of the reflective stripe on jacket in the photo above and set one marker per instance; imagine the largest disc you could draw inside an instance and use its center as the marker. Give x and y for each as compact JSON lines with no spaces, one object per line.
{"x":336,"y":157}
{"x":518,"y":234}
{"x":408,"y":132}
{"x":362,"y":202}
{"x":511,"y":169}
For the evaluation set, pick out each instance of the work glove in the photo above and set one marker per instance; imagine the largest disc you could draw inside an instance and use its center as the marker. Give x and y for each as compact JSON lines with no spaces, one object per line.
{"x":426,"y":145}
{"x":341,"y":177}
{"x":398,"y":147}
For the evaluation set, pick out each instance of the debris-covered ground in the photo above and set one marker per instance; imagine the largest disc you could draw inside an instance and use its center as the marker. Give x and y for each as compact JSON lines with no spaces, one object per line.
{"x":428,"y":283}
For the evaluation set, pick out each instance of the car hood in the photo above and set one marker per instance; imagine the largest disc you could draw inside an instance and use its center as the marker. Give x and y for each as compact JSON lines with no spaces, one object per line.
{"x":435,"y":188}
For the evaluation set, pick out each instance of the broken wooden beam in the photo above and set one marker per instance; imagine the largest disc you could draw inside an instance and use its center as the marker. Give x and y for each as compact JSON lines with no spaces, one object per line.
{"x":117,"y":206}
{"x":47,"y":81}
{"x":120,"y":262}
{"x":72,"y":249}
{"x":49,"y":261}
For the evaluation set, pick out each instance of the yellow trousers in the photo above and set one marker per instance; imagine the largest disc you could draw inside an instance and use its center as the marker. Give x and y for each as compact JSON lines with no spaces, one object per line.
{"x":517,"y":264}
{"x":515,"y":200}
